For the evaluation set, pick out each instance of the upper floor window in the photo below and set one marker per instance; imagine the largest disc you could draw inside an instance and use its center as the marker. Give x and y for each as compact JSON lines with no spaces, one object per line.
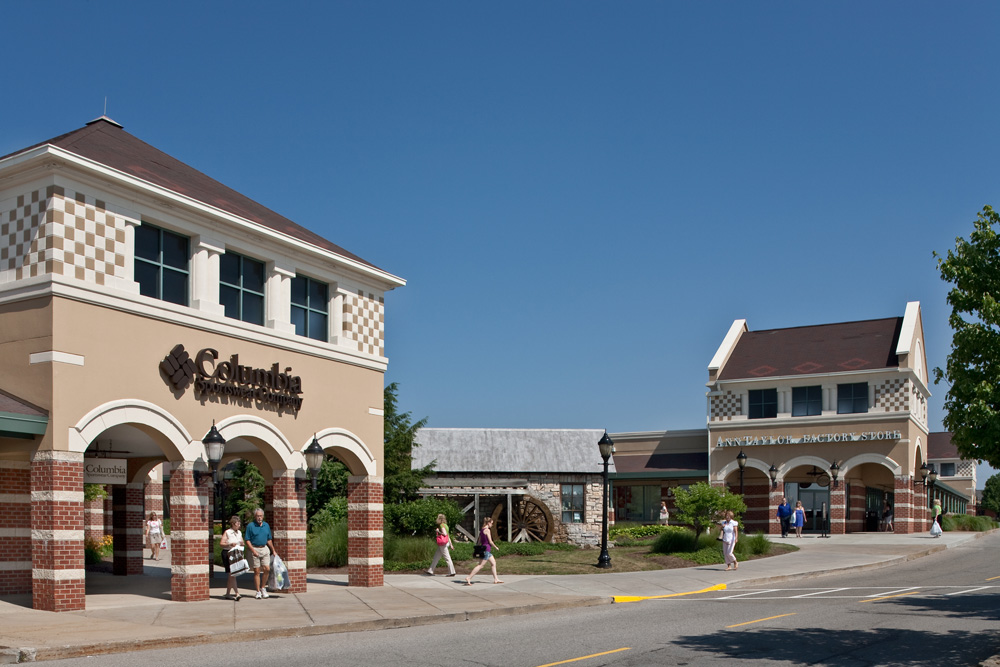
{"x":310,"y":307}
{"x":852,"y":398}
{"x":161,"y":264}
{"x":763,"y":403}
{"x":947,"y":469}
{"x":807,"y":401}
{"x":241,"y":287}
{"x":572,"y":503}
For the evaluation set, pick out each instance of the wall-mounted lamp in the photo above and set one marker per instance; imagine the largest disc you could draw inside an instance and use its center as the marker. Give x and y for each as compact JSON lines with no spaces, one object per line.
{"x":773,"y":472}
{"x":834,"y":472}
{"x":924,"y":472}
{"x":215,"y":446}
{"x":314,"y":461}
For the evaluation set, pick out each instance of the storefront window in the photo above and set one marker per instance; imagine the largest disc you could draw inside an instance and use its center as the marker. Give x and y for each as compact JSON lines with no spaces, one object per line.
{"x":309,"y":307}
{"x":161,"y":264}
{"x":763,"y":403}
{"x":572,"y":503}
{"x":241,"y":287}
{"x":640,"y":503}
{"x":807,"y":401}
{"x":852,"y":398}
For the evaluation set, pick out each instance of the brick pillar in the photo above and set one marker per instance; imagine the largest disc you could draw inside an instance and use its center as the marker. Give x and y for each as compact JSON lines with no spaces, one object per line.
{"x":109,"y":515}
{"x":773,"y":500}
{"x":15,"y":527}
{"x":153,"y":497}
{"x":838,"y":508}
{"x":856,"y":518}
{"x":288,"y":523}
{"x":907,"y":508}
{"x":93,"y":519}
{"x":364,"y":531}
{"x":189,"y":523}
{"x":129,"y":524}
{"x":57,"y":572}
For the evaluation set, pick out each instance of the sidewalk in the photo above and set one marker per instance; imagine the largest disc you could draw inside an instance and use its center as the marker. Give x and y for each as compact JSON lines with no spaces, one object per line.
{"x":126,"y":612}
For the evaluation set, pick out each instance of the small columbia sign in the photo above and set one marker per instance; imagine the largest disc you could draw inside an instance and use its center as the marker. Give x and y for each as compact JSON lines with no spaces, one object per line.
{"x":105,"y":471}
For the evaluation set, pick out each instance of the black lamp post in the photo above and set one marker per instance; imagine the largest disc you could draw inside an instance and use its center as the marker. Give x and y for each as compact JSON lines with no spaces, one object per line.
{"x":606,"y":445}
{"x":834,"y":472}
{"x":215,"y":445}
{"x":773,"y":472}
{"x":314,"y":459}
{"x":931,"y":480}
{"x":741,"y":459}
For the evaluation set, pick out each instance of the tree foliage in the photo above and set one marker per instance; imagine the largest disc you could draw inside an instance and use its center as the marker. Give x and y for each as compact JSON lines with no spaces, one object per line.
{"x":702,"y":504}
{"x":245,"y":492}
{"x":401,"y":481}
{"x":991,"y":494}
{"x":972,"y":405}
{"x":331,"y":482}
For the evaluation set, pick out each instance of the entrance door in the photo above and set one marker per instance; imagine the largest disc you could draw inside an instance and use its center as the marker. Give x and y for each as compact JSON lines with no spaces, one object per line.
{"x":813,"y":498}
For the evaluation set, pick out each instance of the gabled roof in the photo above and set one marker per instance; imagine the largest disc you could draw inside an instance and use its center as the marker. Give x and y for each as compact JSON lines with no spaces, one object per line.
{"x":500,"y":450}
{"x":19,"y":419}
{"x":825,"y":348}
{"x":940,"y":446}
{"x":104,"y":141}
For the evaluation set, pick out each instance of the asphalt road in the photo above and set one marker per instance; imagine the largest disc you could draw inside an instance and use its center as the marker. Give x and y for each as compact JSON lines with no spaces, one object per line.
{"x":939,"y":610}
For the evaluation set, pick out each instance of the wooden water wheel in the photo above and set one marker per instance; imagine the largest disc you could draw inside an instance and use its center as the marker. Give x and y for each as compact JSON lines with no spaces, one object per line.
{"x":530,"y":520}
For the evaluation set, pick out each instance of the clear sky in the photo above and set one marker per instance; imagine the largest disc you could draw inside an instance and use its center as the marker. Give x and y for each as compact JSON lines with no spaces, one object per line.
{"x":581,"y":195}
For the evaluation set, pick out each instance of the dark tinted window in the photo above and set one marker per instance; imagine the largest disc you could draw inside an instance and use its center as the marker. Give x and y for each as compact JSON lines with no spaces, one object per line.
{"x":807,"y":401}
{"x":241,"y":287}
{"x":309,"y":307}
{"x":161,"y":264}
{"x":852,"y":398}
{"x":763,"y":403}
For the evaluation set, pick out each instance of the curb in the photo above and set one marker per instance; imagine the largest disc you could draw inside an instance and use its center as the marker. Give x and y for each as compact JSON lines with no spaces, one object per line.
{"x":102,"y":648}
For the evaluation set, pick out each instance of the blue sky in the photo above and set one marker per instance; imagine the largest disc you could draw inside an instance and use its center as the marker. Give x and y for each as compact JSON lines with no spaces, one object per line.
{"x":582,"y":196}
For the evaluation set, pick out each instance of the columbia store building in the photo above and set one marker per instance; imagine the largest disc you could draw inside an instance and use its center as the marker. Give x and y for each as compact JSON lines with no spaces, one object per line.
{"x":141,"y":302}
{"x":835,"y":415}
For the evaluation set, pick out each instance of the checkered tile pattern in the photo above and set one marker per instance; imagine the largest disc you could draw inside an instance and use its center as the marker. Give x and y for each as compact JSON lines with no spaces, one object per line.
{"x":67,"y":233}
{"x":965,"y":469}
{"x":725,"y":407}
{"x":364,"y":322}
{"x":893,"y":395}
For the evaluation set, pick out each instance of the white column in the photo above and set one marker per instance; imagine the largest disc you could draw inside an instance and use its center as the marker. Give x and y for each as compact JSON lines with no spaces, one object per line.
{"x":278,"y":296}
{"x":126,"y":281}
{"x":335,"y":316}
{"x":205,"y":275}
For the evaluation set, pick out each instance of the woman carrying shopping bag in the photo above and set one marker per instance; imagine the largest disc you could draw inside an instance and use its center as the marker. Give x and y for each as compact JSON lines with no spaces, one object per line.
{"x":232,"y":545}
{"x":443,"y":540}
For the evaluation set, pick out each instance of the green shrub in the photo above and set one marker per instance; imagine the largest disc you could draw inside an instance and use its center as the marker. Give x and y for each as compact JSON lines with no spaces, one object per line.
{"x":753,"y":545}
{"x":635,"y":532}
{"x":333,"y":512}
{"x":675,"y":539}
{"x":419,"y":517}
{"x":327,"y":547}
{"x":705,"y":556}
{"x":967,"y":523}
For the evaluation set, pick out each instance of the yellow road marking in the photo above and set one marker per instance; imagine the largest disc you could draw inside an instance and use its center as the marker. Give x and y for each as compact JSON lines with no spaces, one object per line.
{"x":595,"y":655}
{"x":760,"y":620}
{"x":637,"y":598}
{"x":992,"y":578}
{"x":891,"y":596}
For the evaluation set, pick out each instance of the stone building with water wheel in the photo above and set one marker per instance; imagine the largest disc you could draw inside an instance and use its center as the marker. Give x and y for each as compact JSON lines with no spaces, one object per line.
{"x":537,"y":484}
{"x":144,"y":305}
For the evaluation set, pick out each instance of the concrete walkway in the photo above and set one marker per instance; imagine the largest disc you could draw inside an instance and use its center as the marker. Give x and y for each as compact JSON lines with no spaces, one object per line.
{"x":125,"y":613}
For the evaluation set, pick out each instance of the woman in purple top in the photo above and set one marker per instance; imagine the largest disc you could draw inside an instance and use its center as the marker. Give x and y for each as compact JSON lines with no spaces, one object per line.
{"x":486,"y":540}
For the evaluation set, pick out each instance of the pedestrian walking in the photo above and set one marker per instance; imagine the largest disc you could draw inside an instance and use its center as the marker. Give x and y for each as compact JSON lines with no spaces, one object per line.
{"x":231,"y":539}
{"x":664,"y":513}
{"x":730,"y":535}
{"x":443,"y":540}
{"x":936,"y":528}
{"x":887,"y":518}
{"x":784,"y":516}
{"x":154,"y":535}
{"x":800,"y":518}
{"x":486,"y":546}
{"x":258,"y":540}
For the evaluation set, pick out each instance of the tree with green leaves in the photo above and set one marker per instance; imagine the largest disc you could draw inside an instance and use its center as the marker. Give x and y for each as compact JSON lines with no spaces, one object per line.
{"x":331,"y":482}
{"x":701,"y":505}
{"x":244,"y":492}
{"x":401,"y":481}
{"x":972,"y":405}
{"x":991,"y":494}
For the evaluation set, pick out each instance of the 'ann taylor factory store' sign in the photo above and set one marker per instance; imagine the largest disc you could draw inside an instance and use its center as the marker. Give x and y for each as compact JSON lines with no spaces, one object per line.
{"x":267,"y":387}
{"x":750,"y":440}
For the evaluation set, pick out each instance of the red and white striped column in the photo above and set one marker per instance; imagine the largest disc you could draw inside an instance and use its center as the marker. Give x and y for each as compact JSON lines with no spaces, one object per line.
{"x":128,"y":529}
{"x":364,"y":531}
{"x":907,"y":505}
{"x":773,"y":500}
{"x":189,"y":520}
{"x":15,"y":527}
{"x":57,"y":572}
{"x":288,"y":523}
{"x":838,"y":508}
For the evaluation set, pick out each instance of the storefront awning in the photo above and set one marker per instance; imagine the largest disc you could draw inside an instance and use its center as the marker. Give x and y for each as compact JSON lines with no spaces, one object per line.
{"x":20,"y":419}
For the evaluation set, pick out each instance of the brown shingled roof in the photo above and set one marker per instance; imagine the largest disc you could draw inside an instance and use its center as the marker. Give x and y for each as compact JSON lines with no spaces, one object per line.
{"x":939,"y":446}
{"x":13,"y":405}
{"x":104,"y":141}
{"x":825,"y":348}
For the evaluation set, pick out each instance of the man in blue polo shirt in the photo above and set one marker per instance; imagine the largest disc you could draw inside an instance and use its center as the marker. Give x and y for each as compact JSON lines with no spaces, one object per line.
{"x":784,"y":516}
{"x":259,"y":546}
